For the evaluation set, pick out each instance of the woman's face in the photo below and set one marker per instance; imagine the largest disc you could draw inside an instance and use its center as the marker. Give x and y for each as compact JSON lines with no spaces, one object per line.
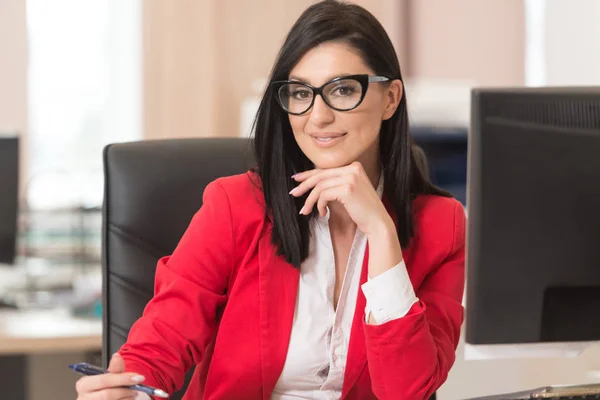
{"x":331,"y":138}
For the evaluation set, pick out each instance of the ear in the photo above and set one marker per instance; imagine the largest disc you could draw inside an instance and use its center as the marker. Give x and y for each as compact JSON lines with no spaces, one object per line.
{"x":394,"y":95}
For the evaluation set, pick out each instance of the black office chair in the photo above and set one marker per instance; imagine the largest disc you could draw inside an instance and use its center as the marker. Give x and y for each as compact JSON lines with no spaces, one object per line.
{"x":152,"y":190}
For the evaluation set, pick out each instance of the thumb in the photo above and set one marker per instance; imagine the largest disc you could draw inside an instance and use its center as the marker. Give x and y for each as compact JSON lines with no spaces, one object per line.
{"x":116,"y":364}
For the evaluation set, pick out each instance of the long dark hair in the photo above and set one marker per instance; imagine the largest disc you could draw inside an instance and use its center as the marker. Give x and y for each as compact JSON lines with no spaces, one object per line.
{"x":278,"y":155}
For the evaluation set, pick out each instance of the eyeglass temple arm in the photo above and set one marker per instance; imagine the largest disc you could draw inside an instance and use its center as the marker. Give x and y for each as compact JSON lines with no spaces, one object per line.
{"x":378,"y":78}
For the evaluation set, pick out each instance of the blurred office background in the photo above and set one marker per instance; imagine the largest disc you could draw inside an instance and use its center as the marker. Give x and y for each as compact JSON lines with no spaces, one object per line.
{"x":76,"y":75}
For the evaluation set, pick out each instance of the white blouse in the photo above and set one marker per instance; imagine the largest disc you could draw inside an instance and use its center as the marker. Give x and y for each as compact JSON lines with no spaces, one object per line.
{"x":318,"y":349}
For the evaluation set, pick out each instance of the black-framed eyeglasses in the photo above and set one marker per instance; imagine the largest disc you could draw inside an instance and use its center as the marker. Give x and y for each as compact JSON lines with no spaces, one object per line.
{"x":342,"y":94}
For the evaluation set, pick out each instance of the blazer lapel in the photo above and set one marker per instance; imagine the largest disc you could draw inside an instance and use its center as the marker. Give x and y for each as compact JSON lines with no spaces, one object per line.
{"x":278,"y":288}
{"x":357,"y":349}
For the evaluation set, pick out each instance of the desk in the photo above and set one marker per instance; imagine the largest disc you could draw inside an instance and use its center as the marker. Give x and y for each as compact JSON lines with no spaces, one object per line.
{"x":41,"y":330}
{"x":35,"y":348}
{"x":36,"y":344}
{"x":47,"y":331}
{"x":38,"y":330}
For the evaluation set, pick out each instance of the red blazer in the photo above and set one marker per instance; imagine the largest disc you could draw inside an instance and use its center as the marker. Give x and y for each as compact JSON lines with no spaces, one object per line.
{"x":225,"y":301}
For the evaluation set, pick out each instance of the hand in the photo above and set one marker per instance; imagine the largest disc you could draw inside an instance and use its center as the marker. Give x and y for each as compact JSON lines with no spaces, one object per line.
{"x":351,"y":187}
{"x":110,"y":386}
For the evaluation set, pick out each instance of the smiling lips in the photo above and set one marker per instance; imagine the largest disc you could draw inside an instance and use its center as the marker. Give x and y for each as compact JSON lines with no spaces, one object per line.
{"x":327,"y":139}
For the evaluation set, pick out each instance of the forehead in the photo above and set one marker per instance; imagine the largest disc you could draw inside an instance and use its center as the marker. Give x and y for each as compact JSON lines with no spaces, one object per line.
{"x":327,"y":61}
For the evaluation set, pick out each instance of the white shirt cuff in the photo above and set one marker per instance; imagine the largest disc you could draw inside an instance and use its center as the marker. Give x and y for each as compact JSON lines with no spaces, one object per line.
{"x":389,"y":295}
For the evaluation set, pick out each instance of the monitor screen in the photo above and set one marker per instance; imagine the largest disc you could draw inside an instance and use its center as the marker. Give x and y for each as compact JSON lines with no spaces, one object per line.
{"x":9,"y":193}
{"x":533,"y":261}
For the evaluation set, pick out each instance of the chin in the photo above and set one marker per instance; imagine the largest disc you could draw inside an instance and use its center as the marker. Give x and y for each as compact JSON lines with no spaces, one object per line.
{"x":321,"y":162}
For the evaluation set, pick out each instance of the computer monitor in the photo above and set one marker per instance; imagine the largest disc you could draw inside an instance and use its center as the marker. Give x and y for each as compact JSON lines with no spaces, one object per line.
{"x":9,"y":194}
{"x":533,"y":247}
{"x":446,"y":151}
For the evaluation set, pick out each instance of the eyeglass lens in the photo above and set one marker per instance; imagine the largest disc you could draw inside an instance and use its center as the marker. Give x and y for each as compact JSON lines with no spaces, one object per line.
{"x":341,"y":95}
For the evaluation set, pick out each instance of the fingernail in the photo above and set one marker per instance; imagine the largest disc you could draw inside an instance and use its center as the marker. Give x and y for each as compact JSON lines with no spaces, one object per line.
{"x":301,"y":210}
{"x":137,"y":378}
{"x":294,"y":190}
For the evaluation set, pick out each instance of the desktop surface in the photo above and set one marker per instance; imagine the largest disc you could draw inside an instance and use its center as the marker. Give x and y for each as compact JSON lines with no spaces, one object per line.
{"x":47,"y":331}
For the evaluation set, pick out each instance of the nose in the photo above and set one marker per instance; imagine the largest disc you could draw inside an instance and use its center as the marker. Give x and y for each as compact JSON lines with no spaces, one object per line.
{"x":321,"y":114}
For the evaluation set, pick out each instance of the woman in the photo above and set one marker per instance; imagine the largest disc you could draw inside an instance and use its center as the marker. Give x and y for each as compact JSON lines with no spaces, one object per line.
{"x":334,"y":269}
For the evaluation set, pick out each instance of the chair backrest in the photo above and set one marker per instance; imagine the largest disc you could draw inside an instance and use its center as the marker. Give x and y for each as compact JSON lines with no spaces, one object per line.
{"x":152,"y":190}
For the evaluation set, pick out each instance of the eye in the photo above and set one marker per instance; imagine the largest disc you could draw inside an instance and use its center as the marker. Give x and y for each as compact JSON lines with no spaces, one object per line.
{"x":343,"y":90}
{"x":301,"y":94}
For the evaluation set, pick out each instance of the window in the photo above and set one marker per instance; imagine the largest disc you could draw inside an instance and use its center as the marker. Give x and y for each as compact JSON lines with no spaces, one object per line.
{"x":535,"y":33}
{"x":84,"y":83}
{"x":84,"y":92}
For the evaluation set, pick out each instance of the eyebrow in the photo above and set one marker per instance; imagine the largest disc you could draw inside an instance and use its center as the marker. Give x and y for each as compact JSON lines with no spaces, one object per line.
{"x":331,"y":77}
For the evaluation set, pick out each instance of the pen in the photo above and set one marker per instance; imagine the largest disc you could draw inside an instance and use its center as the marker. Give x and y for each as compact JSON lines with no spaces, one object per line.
{"x":89,"y":369}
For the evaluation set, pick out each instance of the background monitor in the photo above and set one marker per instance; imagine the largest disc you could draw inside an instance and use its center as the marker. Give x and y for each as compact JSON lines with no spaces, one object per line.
{"x":9,"y":194}
{"x":533,"y":261}
{"x":446,"y":151}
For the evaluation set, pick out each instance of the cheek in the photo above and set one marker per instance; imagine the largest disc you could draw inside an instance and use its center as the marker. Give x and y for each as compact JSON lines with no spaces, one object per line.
{"x":368,"y":118}
{"x":365,"y":125}
{"x":297,"y":123}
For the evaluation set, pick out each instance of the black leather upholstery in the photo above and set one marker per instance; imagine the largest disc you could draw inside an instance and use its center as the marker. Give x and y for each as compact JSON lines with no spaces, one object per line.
{"x":152,"y":190}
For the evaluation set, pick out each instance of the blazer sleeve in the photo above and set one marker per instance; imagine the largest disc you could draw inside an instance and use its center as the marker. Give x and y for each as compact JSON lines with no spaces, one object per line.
{"x":410,"y":357}
{"x":190,"y":288}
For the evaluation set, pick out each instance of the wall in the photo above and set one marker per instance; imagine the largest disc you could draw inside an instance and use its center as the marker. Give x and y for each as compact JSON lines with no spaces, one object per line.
{"x":452,"y":46}
{"x":177,"y":61}
{"x":479,"y":41}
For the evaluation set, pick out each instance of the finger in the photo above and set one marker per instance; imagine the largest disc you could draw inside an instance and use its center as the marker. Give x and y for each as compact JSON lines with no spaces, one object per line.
{"x":122,"y":394}
{"x":305,"y":174}
{"x":305,"y":183}
{"x":111,"y":394}
{"x":322,"y":202}
{"x":315,"y":194}
{"x":314,"y":180}
{"x":89,"y":384}
{"x":332,"y":194}
{"x":353,"y":168}
{"x":309,"y":179}
{"x":117,"y":364}
{"x":329,"y":172}
{"x":322,"y":207}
